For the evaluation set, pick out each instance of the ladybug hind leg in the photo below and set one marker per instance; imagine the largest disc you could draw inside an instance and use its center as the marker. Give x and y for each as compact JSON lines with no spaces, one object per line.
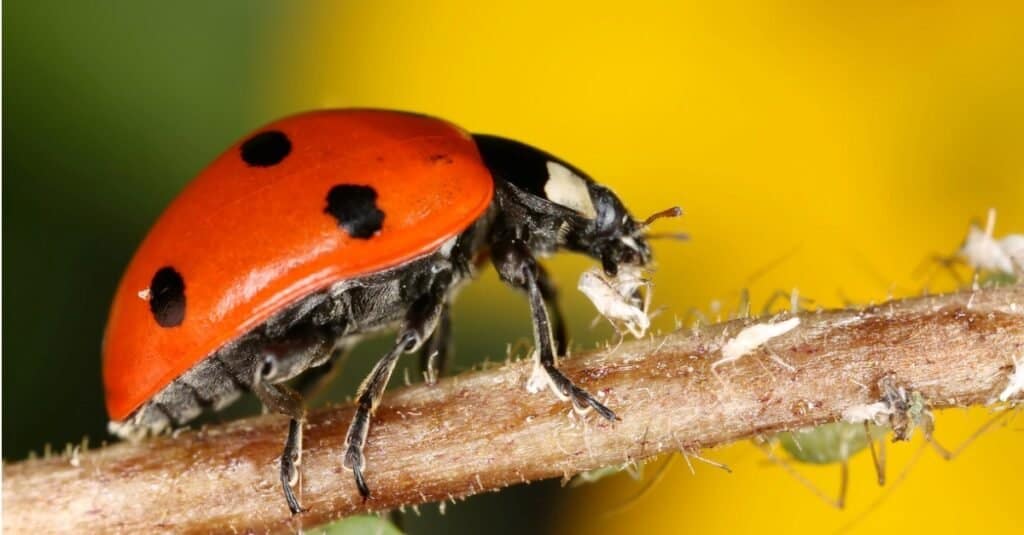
{"x":420,"y":322}
{"x":280,"y":398}
{"x":517,"y":267}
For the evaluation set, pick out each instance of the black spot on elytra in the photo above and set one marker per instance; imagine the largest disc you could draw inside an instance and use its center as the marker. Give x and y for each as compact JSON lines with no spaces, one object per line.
{"x":355,"y":209}
{"x":266,"y":149}
{"x":167,"y":297}
{"x":440,"y":158}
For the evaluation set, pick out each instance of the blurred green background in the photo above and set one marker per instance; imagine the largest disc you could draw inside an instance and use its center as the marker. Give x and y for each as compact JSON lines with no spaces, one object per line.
{"x":861,"y":138}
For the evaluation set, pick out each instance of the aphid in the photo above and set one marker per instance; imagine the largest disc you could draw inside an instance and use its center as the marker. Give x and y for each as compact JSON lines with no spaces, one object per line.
{"x":634,"y":470}
{"x":898,"y":412}
{"x":831,"y":443}
{"x":623,"y":300}
{"x":323,"y":227}
{"x":982,"y":251}
{"x":1016,"y":383}
{"x":753,"y":337}
{"x":994,"y":261}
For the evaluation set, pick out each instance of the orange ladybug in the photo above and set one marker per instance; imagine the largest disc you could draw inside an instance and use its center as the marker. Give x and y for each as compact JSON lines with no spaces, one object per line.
{"x":328,"y":225}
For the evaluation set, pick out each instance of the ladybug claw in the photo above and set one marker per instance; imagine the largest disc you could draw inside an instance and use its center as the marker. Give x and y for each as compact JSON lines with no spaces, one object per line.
{"x":583,"y":402}
{"x":293,"y":502}
{"x":364,"y":490}
{"x":354,"y":461}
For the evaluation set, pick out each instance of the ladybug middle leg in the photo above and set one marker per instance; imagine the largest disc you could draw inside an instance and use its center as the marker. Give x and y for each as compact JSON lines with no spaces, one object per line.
{"x":437,"y":352}
{"x":280,"y":361}
{"x":517,"y":267}
{"x":280,"y":398}
{"x":419,"y":323}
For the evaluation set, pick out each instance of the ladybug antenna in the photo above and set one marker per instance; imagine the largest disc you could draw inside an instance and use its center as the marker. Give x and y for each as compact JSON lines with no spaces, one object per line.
{"x":675,"y":211}
{"x":677,"y":236}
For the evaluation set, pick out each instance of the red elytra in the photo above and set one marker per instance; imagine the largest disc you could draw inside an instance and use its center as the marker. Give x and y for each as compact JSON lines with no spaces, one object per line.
{"x":249,"y":240}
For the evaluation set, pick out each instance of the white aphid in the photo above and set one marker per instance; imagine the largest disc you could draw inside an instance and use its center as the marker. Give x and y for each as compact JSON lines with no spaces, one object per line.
{"x":615,"y":298}
{"x":752,"y":338}
{"x":539,"y":378}
{"x":872,"y":412}
{"x":983,"y":251}
{"x":1016,"y":384}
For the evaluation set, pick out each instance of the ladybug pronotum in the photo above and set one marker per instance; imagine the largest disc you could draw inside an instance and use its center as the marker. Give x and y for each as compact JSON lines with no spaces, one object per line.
{"x":325,"y":226}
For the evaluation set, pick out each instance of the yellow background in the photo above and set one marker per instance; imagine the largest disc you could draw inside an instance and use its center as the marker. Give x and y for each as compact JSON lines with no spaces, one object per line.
{"x":863,"y":136}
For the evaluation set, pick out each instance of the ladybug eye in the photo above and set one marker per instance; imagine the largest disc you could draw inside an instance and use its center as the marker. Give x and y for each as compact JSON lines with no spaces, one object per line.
{"x":269,"y":368}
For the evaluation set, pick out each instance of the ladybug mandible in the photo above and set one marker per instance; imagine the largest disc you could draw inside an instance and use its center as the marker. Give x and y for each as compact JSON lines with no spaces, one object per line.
{"x":325,"y":226}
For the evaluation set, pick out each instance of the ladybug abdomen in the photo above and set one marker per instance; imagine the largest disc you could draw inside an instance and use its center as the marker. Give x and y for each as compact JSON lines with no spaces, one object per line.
{"x":300,"y":206}
{"x":340,"y":315}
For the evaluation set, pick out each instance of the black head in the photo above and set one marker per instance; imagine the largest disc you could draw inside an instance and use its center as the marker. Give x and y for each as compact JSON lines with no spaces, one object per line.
{"x":564,"y":208}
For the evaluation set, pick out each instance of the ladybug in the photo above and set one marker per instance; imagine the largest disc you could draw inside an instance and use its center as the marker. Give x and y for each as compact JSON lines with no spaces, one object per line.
{"x":325,"y":226}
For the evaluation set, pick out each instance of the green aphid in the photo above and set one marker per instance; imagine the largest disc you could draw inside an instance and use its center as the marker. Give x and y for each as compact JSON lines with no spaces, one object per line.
{"x":360,"y":525}
{"x":835,"y":443}
{"x":829,"y":443}
{"x":995,"y":279}
{"x":635,"y":471}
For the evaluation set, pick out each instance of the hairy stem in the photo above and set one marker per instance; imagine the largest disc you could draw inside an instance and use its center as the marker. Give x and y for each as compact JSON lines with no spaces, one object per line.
{"x":481,"y":431}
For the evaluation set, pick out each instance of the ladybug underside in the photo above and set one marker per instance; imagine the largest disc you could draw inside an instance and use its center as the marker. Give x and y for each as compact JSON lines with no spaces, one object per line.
{"x":305,"y":335}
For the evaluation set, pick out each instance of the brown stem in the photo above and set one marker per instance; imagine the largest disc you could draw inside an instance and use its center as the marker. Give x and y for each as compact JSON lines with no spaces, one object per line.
{"x":481,"y":431}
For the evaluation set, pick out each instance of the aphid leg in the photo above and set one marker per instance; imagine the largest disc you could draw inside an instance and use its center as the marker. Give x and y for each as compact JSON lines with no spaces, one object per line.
{"x":549,"y":292}
{"x":420,"y":322}
{"x":844,"y":484}
{"x":936,"y":263}
{"x":948,"y":454}
{"x":690,"y":453}
{"x":517,"y":267}
{"x":793,"y":298}
{"x":743,"y":307}
{"x":659,"y":474}
{"x":877,"y":456}
{"x":437,"y":352}
{"x":280,"y":398}
{"x":839,"y":502}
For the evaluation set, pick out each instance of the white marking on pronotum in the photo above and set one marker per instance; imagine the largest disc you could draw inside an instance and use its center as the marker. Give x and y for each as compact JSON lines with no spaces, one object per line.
{"x":446,"y":247}
{"x":143,"y":294}
{"x":752,"y":338}
{"x":569,"y":190}
{"x":615,"y":298}
{"x":1016,"y":384}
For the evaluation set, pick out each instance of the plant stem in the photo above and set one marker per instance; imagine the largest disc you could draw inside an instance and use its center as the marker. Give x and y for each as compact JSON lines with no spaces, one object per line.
{"x":482,"y":431}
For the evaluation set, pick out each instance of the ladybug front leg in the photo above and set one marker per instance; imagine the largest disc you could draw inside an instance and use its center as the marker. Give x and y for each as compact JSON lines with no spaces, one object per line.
{"x":549,"y":292}
{"x":280,"y":398}
{"x":420,"y":322}
{"x":517,"y":267}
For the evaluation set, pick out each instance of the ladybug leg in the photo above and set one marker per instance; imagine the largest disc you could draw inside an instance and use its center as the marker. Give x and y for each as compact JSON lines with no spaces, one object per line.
{"x":437,"y":352}
{"x":280,"y":398}
{"x":517,"y":267}
{"x":549,"y":292}
{"x":420,"y":321}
